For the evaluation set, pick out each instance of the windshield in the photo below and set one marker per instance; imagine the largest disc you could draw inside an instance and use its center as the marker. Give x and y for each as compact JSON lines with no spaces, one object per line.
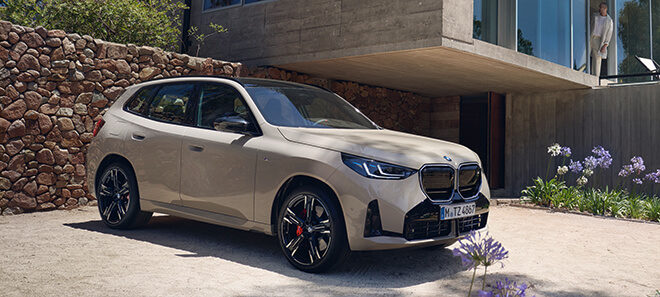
{"x":307,"y":107}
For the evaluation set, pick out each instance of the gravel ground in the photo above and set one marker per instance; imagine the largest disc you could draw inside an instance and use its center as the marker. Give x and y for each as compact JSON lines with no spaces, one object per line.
{"x":70,"y":253}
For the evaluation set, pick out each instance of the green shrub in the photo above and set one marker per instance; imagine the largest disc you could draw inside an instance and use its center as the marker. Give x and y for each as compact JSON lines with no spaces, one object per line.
{"x":542,"y":192}
{"x":566,"y":198}
{"x":148,"y":22}
{"x":634,"y":206}
{"x":653,"y":209}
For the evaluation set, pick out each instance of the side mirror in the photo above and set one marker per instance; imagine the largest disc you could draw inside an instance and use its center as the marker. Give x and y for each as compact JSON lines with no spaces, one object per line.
{"x":232,"y":123}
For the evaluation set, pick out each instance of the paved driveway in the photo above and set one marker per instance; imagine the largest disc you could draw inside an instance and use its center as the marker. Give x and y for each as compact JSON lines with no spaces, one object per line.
{"x":70,"y":253}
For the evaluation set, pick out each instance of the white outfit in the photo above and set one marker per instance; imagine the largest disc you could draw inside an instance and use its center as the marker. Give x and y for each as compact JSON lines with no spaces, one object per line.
{"x":600,"y":36}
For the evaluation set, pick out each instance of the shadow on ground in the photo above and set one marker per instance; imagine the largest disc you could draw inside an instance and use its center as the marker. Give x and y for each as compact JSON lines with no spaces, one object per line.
{"x":409,"y":267}
{"x":378,"y":271}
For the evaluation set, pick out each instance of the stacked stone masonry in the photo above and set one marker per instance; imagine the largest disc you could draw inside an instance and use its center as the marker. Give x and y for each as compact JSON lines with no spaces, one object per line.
{"x":54,"y":86}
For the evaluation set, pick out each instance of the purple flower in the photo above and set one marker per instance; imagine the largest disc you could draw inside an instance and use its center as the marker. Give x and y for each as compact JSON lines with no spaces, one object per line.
{"x":477,"y":250}
{"x":599,"y":151}
{"x":506,"y":288}
{"x":602,"y":158}
{"x":605,"y":160}
{"x":626,"y":170}
{"x":590,"y":162}
{"x":638,"y":164}
{"x":565,"y":151}
{"x":637,"y":181}
{"x":575,"y":166}
{"x":654,"y":177}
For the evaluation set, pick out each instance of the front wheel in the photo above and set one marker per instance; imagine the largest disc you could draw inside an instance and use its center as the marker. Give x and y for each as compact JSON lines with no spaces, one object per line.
{"x":311,"y":231}
{"x":118,"y":198}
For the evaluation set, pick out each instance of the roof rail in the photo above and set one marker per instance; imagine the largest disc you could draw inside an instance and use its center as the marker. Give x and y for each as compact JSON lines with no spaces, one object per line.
{"x":196,"y":76}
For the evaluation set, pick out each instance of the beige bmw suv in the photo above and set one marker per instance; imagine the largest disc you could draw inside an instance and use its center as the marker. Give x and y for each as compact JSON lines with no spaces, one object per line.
{"x":289,"y":160}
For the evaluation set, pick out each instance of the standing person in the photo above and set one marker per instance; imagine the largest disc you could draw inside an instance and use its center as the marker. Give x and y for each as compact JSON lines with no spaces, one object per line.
{"x":600,"y":38}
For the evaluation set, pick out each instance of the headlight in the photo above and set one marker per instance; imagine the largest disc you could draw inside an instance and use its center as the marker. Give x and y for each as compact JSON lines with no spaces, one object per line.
{"x":374,"y":169}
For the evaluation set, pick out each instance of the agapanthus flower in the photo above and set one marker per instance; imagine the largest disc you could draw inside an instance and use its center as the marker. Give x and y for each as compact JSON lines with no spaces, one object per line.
{"x":599,"y":151}
{"x":587,"y":172}
{"x":575,"y":166}
{"x":582,"y":180}
{"x":654,"y":177}
{"x":637,"y":181}
{"x":505,"y":288}
{"x":605,"y":160}
{"x":626,"y":170}
{"x":590,"y":162}
{"x":561,"y":170}
{"x":477,"y":250}
{"x":637,"y":164}
{"x":565,"y":151}
{"x":554,"y":150}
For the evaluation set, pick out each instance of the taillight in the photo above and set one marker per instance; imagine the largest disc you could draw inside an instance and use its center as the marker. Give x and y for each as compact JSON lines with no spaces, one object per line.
{"x":98,"y":126}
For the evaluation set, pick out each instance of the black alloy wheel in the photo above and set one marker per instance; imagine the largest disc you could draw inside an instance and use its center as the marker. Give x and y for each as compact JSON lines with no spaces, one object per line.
{"x":310,"y":231}
{"x":118,"y":198}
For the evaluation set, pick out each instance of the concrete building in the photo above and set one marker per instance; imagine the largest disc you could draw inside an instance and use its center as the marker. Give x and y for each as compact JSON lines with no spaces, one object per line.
{"x":506,"y":78}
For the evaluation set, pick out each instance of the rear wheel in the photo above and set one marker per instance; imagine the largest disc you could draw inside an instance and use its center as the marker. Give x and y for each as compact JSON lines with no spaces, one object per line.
{"x":118,"y":198}
{"x":311,"y":231}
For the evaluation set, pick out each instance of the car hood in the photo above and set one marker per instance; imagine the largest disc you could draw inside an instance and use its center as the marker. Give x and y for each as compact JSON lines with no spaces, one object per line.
{"x":383,"y":145}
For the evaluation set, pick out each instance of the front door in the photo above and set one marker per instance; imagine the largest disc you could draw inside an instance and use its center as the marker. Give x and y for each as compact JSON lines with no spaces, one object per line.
{"x":481,"y":129}
{"x":218,"y":167}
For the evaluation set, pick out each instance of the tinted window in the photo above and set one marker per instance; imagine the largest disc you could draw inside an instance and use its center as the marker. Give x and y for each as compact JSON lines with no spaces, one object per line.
{"x":139,"y":102}
{"x":171,"y":102}
{"x":307,"y":107}
{"x":209,"y":4}
{"x":217,"y":101}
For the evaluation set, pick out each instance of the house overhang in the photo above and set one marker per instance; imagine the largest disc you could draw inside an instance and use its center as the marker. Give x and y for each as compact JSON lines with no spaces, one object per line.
{"x":451,"y":68}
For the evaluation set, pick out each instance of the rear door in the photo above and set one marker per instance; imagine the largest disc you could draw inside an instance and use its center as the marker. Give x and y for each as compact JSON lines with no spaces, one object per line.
{"x":218,"y":167}
{"x":161,"y":116}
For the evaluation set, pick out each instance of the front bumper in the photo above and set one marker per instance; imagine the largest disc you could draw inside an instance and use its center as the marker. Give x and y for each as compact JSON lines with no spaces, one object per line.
{"x":407,"y":216}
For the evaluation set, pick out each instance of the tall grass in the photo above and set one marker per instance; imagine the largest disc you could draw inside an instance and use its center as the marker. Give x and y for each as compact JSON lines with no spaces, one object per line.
{"x":615,"y":203}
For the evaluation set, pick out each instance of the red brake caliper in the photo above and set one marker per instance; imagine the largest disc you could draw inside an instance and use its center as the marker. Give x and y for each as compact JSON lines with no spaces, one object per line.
{"x":299,"y":229}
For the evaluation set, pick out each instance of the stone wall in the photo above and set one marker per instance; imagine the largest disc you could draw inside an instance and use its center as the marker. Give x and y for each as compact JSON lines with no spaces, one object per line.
{"x":53,"y":87}
{"x":391,"y":109}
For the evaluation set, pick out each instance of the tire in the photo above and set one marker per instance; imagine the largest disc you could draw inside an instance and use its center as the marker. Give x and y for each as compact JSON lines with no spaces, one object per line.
{"x":312,"y":241}
{"x":118,"y":198}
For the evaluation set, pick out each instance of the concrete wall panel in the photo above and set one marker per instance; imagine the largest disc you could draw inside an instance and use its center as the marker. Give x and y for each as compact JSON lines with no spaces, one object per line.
{"x":323,"y":26}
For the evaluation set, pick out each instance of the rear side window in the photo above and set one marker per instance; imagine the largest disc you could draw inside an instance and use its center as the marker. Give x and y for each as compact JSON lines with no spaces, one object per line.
{"x":171,"y":103}
{"x":139,"y":102}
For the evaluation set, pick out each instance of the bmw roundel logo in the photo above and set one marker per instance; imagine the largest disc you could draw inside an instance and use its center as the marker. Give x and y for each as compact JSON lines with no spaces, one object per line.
{"x":448,"y":158}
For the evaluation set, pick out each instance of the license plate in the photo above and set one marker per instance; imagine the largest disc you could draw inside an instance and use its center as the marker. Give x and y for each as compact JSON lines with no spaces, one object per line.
{"x":455,"y":211}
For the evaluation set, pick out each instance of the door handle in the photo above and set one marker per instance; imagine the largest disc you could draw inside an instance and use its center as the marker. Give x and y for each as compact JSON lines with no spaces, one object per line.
{"x":195,"y":148}
{"x":138,"y":137}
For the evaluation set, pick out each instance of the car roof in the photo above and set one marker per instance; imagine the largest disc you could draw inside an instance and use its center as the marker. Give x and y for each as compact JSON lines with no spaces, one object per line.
{"x":249,"y":82}
{"x":246,"y":82}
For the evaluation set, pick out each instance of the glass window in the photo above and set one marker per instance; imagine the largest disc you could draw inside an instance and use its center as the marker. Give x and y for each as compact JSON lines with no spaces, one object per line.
{"x":217,"y":101}
{"x":252,"y":1}
{"x":485,"y":20}
{"x":210,"y":4}
{"x":544,"y":30}
{"x":141,"y":99}
{"x":633,"y":38}
{"x":655,"y":8}
{"x":580,"y":35}
{"x":170,"y":103}
{"x":307,"y":107}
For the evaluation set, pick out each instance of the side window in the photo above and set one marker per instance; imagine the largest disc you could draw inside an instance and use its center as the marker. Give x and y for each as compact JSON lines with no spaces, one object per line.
{"x":140,"y":100}
{"x":218,"y":100}
{"x":171,"y":102}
